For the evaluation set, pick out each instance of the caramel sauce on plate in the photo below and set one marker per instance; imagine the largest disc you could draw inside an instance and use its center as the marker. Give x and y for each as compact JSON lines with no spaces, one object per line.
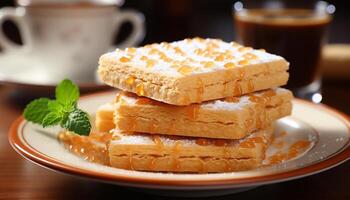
{"x":92,"y":148}
{"x":294,"y":150}
{"x":251,"y":142}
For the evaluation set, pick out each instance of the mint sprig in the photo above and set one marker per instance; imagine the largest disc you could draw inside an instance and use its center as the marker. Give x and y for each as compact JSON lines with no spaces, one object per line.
{"x":62,"y":111}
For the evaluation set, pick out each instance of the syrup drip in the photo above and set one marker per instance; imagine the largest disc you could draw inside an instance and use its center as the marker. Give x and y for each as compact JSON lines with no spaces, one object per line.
{"x":130,"y":80}
{"x":140,"y":89}
{"x":237,"y":90}
{"x":248,"y":124}
{"x":251,"y":87}
{"x":202,"y":142}
{"x":117,"y":98}
{"x":152,"y":164}
{"x":131,"y":166}
{"x":215,"y":142}
{"x":232,"y":99}
{"x":203,"y":168}
{"x":220,"y":142}
{"x":241,"y":74}
{"x":257,"y":99}
{"x":192,"y":111}
{"x":227,"y":76}
{"x":176,"y":151}
{"x":158,"y":142}
{"x":269,"y":93}
{"x":227,"y":165}
{"x":200,"y":90}
{"x":143,"y":101}
{"x":122,"y":101}
{"x":152,"y":127}
{"x":225,"y":89}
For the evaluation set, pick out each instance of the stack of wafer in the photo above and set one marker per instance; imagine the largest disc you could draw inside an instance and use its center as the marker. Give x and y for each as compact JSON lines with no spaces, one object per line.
{"x":195,"y":105}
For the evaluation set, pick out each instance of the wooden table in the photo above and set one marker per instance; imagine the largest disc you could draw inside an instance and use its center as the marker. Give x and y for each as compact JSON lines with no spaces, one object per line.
{"x":21,"y":179}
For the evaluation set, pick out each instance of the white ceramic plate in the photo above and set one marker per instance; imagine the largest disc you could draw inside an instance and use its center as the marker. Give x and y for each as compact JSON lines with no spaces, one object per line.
{"x":328,"y":129}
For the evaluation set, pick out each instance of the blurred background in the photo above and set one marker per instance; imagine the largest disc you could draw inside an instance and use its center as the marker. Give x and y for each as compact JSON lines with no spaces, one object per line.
{"x":177,"y":19}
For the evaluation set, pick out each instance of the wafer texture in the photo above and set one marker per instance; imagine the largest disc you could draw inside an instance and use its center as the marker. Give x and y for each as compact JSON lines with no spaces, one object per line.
{"x":192,"y":70}
{"x":229,"y":118}
{"x":104,"y":117}
{"x":146,"y":152}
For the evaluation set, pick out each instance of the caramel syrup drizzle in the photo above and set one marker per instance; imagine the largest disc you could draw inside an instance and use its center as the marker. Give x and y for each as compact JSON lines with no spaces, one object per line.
{"x":192,"y":111}
{"x":176,"y":151}
{"x":143,"y":101}
{"x":237,"y":89}
{"x":203,"y":168}
{"x":261,"y":100}
{"x":200,"y":90}
{"x":158,"y":142}
{"x":130,"y":164}
{"x":227,"y":77}
{"x":86,"y":148}
{"x":251,"y":87}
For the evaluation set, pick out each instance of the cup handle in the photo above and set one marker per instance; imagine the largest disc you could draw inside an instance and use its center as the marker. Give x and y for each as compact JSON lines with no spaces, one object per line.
{"x":138,"y":32}
{"x":17,"y":15}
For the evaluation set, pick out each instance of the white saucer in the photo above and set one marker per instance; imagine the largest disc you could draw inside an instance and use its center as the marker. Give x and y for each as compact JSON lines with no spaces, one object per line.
{"x":28,"y":73}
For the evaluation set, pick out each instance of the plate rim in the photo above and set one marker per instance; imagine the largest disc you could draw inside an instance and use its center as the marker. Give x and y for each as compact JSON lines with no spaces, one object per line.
{"x":38,"y":158}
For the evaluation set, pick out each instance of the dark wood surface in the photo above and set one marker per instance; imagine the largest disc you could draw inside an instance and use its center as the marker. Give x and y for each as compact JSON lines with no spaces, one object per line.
{"x":21,"y":179}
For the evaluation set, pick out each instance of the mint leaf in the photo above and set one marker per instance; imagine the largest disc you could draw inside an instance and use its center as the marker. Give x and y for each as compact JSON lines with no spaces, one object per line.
{"x":63,"y":111}
{"x":51,"y":119}
{"x":67,"y":92}
{"x":55,"y":106}
{"x":36,"y":110}
{"x":78,"y":122}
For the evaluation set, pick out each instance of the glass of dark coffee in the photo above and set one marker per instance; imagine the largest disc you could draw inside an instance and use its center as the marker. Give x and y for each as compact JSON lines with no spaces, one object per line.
{"x":295,"y":30}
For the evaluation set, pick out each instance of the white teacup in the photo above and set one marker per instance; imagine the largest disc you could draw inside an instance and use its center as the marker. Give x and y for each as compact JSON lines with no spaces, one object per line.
{"x":66,"y":41}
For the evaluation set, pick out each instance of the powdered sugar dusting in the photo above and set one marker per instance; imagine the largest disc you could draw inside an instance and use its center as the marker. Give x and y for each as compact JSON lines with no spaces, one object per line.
{"x":167,"y":58}
{"x":147,"y":139}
